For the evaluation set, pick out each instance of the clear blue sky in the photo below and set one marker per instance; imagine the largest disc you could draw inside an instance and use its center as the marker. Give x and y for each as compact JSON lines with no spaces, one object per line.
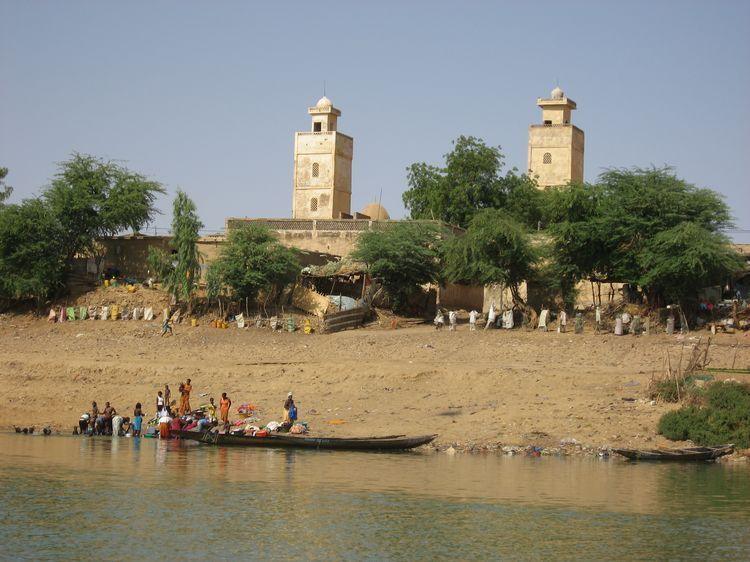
{"x":206,"y":96}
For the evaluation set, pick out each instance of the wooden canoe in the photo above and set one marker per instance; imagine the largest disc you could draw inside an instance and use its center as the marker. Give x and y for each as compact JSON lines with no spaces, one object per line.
{"x":688,"y":454}
{"x":285,"y":440}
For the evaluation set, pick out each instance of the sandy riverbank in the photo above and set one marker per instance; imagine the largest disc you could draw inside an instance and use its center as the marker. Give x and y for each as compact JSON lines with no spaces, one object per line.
{"x":482,"y":388}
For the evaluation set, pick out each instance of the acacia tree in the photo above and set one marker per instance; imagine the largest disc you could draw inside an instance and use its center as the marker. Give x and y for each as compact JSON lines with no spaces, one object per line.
{"x":679,"y":262}
{"x":93,"y":198}
{"x":32,"y":257}
{"x":182,"y":280}
{"x":5,"y":189}
{"x":253,"y":260}
{"x":471,"y":180}
{"x":403,"y":257}
{"x":495,"y":249}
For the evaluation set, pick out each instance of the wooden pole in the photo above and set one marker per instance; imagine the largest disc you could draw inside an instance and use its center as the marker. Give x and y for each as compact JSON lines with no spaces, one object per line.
{"x":734,"y":358}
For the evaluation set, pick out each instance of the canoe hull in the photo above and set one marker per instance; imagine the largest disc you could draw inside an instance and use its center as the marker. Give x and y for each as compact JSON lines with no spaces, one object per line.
{"x":390,"y":443}
{"x":676,"y":455}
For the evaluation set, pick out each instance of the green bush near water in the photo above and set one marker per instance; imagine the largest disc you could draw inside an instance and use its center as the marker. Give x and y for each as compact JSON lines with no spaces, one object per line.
{"x":724,"y":417}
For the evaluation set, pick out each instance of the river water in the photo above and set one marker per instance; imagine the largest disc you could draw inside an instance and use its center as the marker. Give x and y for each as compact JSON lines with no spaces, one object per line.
{"x":78,"y":498}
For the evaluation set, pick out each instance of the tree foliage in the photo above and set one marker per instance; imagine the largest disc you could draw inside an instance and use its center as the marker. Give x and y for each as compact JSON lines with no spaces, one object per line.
{"x":32,"y":256}
{"x":93,"y":198}
{"x":470,"y":181}
{"x":495,"y":249}
{"x":679,"y":262}
{"x":623,"y":229}
{"x":5,"y":189}
{"x":252,"y":261}
{"x":402,"y":256}
{"x":182,"y":280}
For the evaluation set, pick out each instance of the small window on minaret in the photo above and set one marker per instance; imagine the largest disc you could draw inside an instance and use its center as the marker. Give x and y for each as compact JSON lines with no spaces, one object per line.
{"x":317,"y":126}
{"x":315,"y":170}
{"x":314,"y":204}
{"x":547,"y":158}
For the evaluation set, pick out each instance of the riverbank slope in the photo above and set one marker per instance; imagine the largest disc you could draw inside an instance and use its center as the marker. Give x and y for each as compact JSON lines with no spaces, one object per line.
{"x":479,"y":388}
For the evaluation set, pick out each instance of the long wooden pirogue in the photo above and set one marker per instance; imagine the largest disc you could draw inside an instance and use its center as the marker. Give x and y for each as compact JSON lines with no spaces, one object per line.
{"x":387,"y":443}
{"x":688,"y":454}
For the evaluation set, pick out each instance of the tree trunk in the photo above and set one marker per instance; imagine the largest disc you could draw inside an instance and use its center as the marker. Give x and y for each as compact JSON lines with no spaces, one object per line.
{"x":529,"y":315}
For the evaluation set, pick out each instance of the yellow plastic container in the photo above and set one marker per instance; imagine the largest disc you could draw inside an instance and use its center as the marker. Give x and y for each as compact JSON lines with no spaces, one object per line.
{"x":193,"y":322}
{"x":106,"y":283}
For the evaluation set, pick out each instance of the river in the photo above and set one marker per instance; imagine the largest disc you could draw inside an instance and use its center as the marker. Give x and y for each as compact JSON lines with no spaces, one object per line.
{"x":126,"y":499}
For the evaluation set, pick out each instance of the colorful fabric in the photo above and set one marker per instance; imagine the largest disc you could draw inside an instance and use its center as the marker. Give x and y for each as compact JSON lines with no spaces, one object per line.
{"x":70,"y":312}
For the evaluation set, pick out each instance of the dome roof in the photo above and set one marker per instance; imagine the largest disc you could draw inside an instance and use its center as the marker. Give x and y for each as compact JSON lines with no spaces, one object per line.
{"x":376,"y":212}
{"x":557,"y":93}
{"x":324,"y":102}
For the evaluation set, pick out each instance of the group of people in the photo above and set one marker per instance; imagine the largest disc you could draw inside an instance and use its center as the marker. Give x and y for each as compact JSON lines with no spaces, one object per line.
{"x":108,"y":422}
{"x":170,"y":415}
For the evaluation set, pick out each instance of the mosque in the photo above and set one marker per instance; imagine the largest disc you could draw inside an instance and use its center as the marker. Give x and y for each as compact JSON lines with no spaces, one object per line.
{"x":322,"y":218}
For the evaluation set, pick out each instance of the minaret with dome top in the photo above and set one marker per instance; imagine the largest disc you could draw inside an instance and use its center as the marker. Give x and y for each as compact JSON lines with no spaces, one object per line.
{"x":322,"y":167}
{"x":556,"y":146}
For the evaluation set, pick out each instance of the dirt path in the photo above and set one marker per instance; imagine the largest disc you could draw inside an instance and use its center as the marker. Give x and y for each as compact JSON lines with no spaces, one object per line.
{"x":482,"y":387}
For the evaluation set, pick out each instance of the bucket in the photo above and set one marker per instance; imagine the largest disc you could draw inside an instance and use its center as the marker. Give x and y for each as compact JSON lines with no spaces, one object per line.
{"x":106,"y":283}
{"x":194,"y":322}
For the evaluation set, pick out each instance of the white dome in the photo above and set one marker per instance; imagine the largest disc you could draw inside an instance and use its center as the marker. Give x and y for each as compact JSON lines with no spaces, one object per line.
{"x":557,"y":93}
{"x":324,"y":102}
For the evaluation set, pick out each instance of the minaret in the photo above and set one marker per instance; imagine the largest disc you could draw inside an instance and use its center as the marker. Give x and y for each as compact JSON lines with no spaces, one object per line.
{"x":322,"y":167}
{"x":556,"y":146}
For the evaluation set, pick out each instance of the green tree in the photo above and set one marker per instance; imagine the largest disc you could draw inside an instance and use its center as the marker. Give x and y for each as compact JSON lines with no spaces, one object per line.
{"x":5,"y":189}
{"x":93,"y":198}
{"x":215,"y":286}
{"x":159,"y":263}
{"x":495,"y":249}
{"x":470,"y":181}
{"x":402,"y":257}
{"x":182,"y":280}
{"x":677,"y":263}
{"x":609,"y":231}
{"x":253,"y":260}
{"x":579,"y":239}
{"x":32,"y":255}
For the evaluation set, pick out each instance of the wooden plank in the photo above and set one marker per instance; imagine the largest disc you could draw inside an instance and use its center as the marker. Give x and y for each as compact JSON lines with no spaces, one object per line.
{"x":345,"y":319}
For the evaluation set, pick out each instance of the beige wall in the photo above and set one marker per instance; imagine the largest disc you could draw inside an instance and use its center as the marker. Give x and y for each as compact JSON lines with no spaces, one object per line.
{"x":331,"y":190}
{"x":565,"y":145}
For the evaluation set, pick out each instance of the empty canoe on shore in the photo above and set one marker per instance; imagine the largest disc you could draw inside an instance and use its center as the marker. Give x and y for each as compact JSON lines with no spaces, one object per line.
{"x":689,"y":454}
{"x":283,"y":440}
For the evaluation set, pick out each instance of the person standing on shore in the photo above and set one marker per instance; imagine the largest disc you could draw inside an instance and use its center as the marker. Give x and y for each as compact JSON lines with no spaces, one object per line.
{"x":185,"y":390}
{"x":167,"y":394}
{"x":137,"y":420}
{"x":224,"y":404}
{"x":290,"y":412}
{"x":159,"y":403}
{"x":473,"y":320}
{"x":164,"y":421}
{"x":108,"y":413}
{"x":93,"y":418}
{"x":211,"y":409}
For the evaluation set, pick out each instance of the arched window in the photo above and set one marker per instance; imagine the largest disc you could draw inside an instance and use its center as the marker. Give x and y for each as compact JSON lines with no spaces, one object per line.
{"x":315,"y":170}
{"x":314,"y":204}
{"x":547,"y":158}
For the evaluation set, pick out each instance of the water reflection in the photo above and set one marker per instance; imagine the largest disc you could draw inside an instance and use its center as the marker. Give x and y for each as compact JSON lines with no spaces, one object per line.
{"x":120,"y":495}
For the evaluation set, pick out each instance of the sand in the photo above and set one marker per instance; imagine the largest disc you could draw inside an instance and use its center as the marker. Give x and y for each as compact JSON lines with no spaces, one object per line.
{"x":472,"y":388}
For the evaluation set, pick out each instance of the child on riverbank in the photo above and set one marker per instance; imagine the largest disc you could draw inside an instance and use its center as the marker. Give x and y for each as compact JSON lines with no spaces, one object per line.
{"x":137,"y":420}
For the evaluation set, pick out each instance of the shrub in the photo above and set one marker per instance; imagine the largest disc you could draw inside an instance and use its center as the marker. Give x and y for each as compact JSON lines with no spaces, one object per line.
{"x":725,"y":417}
